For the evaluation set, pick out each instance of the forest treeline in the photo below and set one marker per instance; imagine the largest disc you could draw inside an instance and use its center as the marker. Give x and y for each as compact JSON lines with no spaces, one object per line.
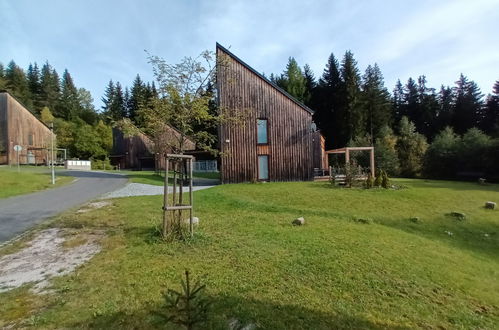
{"x":416,"y":130}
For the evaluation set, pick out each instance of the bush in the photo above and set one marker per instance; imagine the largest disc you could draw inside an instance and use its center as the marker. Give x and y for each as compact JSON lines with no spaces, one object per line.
{"x":369,"y":181}
{"x":98,"y":164}
{"x":385,"y":181}
{"x":377,"y":181}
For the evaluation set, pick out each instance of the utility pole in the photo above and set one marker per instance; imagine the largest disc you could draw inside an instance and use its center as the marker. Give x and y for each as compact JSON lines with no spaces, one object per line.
{"x":52,"y":151}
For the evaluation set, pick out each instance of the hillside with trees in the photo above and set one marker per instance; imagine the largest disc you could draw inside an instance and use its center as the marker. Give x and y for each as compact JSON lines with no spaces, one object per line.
{"x":417,"y":130}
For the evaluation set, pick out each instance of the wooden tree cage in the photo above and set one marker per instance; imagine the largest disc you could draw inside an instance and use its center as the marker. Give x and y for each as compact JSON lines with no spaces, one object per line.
{"x":174,"y":207}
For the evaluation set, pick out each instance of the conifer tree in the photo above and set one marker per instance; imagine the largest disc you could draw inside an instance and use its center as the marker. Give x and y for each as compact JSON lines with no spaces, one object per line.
{"x":352,"y":112}
{"x":35,"y":86}
{"x":293,"y":81}
{"x":69,"y":106}
{"x":491,"y":116}
{"x":326,"y":102}
{"x":3,"y":83}
{"x":468,"y":105}
{"x":375,"y":100}
{"x":108,"y":99}
{"x":50,"y":93}
{"x":445,"y":101}
{"x":310,"y":84}
{"x":17,"y":84}
{"x":398,"y":101}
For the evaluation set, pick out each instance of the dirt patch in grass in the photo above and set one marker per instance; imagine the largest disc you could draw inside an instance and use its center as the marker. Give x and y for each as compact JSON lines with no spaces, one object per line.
{"x":51,"y":253}
{"x":93,"y":206}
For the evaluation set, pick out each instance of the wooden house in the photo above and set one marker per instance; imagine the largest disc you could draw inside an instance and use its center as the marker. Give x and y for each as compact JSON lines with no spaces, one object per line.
{"x":139,"y":151}
{"x":274,"y":139}
{"x":18,"y":126}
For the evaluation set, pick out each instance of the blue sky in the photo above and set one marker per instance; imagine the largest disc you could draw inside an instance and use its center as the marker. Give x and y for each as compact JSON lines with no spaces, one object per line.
{"x":102,"y":40}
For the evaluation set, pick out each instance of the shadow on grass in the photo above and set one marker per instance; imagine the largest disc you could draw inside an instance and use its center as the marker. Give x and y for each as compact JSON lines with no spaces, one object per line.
{"x":227,"y":309}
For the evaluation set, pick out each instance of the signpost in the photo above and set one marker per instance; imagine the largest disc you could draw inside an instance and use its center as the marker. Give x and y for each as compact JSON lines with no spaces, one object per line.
{"x":17,"y":149}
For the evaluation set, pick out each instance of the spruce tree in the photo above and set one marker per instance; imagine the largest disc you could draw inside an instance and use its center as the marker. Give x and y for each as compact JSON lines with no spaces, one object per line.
{"x":445,"y":99}
{"x":50,"y":93}
{"x":468,"y":105}
{"x":108,"y":100}
{"x":69,"y":106}
{"x":17,"y":84}
{"x":3,"y":83}
{"x":136,"y":99}
{"x":310,"y":84}
{"x":35,"y":86}
{"x":352,"y":111}
{"x":491,"y":117}
{"x":398,"y":101}
{"x":427,"y":109}
{"x":375,"y":101}
{"x":293,"y":81}
{"x":326,"y":102}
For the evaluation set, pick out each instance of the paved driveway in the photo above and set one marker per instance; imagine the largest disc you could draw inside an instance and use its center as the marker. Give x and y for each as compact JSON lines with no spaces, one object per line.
{"x":19,"y":213}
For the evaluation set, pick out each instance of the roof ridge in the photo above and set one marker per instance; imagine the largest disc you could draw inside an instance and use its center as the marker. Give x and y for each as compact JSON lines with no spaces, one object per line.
{"x":292,"y":98}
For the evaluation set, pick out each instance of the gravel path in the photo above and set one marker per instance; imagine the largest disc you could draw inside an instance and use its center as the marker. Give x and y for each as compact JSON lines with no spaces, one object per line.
{"x":142,"y":189}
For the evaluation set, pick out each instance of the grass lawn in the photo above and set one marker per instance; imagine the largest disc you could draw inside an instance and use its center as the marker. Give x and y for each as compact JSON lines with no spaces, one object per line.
{"x":29,"y":179}
{"x":150,"y":177}
{"x":334,"y":272}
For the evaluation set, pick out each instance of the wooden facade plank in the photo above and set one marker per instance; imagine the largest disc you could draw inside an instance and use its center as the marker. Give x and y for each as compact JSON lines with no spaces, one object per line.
{"x":290,"y":146}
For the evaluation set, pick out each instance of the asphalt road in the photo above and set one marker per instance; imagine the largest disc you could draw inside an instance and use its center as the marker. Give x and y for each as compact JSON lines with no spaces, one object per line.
{"x":19,"y":213}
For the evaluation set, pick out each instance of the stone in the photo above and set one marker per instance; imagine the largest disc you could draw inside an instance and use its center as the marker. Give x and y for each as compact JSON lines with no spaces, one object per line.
{"x":299,"y":221}
{"x":364,"y":220}
{"x":481,"y":181}
{"x":415,"y":219}
{"x":490,"y":205}
{"x":458,"y":215}
{"x":195,"y":221}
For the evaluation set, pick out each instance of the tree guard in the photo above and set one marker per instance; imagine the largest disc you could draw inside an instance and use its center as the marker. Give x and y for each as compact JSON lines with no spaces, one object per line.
{"x":173,"y":209}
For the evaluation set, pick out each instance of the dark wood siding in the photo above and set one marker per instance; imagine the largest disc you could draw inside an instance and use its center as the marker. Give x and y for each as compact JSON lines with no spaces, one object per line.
{"x":242,"y":90}
{"x":18,"y":126}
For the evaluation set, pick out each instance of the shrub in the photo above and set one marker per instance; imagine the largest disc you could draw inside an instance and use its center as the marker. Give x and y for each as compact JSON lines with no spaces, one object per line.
{"x":385,"y":181}
{"x":377,"y":181}
{"x":369,"y":181}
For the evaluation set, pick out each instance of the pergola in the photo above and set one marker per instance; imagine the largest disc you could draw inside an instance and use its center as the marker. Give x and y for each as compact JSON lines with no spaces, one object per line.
{"x":347,"y":150}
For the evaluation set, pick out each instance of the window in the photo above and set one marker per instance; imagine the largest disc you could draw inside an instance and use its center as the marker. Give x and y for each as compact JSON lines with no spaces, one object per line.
{"x":30,"y":139}
{"x":263,"y":167}
{"x":262,"y":137}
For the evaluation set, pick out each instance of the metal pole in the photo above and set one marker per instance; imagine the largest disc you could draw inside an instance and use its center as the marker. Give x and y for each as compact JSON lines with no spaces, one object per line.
{"x":52,"y":151}
{"x":18,"y":165}
{"x":190,"y":198}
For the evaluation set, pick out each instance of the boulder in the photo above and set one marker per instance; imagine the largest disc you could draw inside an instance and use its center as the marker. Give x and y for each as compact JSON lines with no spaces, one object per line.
{"x":415,"y":219}
{"x":195,"y":221}
{"x":299,"y":221}
{"x":458,"y":215}
{"x":490,"y":205}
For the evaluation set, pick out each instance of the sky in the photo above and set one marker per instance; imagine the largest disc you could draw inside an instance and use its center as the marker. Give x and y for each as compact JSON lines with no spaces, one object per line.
{"x":106,"y":39}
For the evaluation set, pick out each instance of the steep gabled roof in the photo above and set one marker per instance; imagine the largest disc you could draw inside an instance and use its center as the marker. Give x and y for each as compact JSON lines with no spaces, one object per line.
{"x":24,"y":107}
{"x":282,"y":91}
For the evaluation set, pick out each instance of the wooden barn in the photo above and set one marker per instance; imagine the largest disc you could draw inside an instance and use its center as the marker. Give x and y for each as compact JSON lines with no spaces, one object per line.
{"x":139,"y":151}
{"x":274,"y":139}
{"x":18,"y":126}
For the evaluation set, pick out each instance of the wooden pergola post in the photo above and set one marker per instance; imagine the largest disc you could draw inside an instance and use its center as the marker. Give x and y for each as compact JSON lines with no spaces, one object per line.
{"x":372,"y":162}
{"x":347,"y":150}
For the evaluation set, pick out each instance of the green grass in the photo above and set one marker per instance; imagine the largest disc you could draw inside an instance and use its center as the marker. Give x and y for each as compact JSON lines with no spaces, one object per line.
{"x":150,"y":177}
{"x":334,"y":272}
{"x":29,"y":179}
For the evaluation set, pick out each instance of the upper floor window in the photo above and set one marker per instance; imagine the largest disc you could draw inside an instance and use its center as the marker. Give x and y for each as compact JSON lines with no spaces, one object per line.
{"x":30,"y":139}
{"x":262,"y":131}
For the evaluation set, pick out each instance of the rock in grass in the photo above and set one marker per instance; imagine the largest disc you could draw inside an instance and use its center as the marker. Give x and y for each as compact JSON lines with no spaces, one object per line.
{"x":415,"y":219}
{"x":299,"y":221}
{"x":490,"y":205}
{"x":195,"y":221}
{"x":458,"y":215}
{"x":363,"y":220}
